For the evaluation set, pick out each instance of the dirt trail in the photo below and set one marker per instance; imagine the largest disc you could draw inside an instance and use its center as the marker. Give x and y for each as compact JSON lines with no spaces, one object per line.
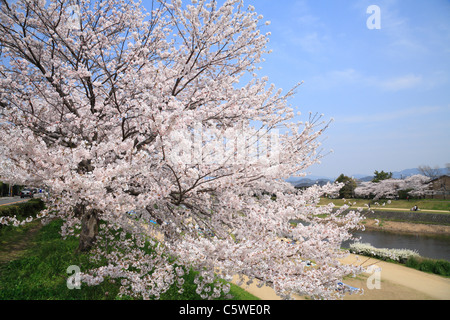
{"x":17,"y":247}
{"x":398,"y":282}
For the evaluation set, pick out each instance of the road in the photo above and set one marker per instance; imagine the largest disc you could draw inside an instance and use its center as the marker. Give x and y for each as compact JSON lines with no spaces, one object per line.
{"x":10,"y":200}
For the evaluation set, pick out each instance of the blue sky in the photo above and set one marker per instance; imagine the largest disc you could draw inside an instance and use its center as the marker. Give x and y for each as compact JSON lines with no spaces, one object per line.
{"x":388,"y":89}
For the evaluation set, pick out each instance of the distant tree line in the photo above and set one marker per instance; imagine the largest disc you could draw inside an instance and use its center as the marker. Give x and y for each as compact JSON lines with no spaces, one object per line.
{"x":5,"y":189}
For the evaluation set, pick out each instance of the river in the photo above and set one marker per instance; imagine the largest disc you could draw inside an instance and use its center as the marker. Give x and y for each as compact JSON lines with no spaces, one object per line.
{"x":429,"y":246}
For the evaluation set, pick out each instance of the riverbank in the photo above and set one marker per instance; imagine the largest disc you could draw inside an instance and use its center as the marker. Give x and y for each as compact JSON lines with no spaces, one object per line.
{"x":428,"y":205}
{"x":406,"y":227}
{"x":432,"y":218}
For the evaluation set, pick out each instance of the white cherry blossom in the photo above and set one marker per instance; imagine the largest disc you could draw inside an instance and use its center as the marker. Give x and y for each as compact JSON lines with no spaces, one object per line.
{"x":127,"y":110}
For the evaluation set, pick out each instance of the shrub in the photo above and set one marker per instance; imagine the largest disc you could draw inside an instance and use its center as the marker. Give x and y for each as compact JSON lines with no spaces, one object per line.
{"x":20,"y":211}
{"x":439,"y":267}
{"x":442,"y":267}
{"x":410,"y":258}
{"x":23,"y":210}
{"x":400,"y":255}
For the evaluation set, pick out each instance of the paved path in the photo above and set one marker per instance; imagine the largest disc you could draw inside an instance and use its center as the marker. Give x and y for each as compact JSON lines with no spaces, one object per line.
{"x":407,"y":210}
{"x":4,"y":201}
{"x":381,"y":208}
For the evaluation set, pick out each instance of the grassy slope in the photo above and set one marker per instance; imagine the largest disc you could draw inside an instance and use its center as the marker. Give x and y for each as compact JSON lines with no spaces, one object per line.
{"x":37,"y":269}
{"x":423,"y":204}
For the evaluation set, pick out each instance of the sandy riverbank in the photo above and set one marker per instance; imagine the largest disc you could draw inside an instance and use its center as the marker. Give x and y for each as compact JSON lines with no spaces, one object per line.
{"x":406,"y":227}
{"x":397,"y":282}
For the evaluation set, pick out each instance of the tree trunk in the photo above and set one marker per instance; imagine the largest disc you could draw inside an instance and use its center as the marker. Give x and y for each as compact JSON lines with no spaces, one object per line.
{"x":89,"y":218}
{"x":89,"y":228}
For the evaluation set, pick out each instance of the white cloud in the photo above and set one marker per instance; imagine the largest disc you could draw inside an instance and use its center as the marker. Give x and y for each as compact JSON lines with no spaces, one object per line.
{"x":391,"y":115}
{"x":350,"y":76}
{"x":401,"y":83}
{"x":335,"y":78}
{"x":311,"y":42}
{"x":306,"y":32}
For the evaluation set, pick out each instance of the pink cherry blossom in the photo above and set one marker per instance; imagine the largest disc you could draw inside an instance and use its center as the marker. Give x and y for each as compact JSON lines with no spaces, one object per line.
{"x":161,"y":113}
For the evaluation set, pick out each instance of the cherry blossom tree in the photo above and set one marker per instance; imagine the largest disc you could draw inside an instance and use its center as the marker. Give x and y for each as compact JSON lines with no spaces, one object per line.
{"x":365,"y":189}
{"x":416,"y":185}
{"x":161,"y":111}
{"x":387,"y":189}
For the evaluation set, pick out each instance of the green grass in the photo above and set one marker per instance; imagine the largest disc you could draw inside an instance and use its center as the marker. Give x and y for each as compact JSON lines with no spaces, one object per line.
{"x":39,"y":273}
{"x":14,"y":241}
{"x":439,"y":267}
{"x":423,"y":204}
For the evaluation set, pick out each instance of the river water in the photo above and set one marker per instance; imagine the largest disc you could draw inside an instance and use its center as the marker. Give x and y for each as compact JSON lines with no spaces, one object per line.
{"x":429,"y":246}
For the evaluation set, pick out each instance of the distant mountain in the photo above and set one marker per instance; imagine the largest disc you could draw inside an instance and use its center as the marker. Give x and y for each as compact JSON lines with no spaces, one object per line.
{"x":395,"y":174}
{"x":366,"y":178}
{"x":398,"y":174}
{"x":322,"y":180}
{"x":308,"y":179}
{"x":296,"y":179}
{"x":361,"y":177}
{"x":405,"y":173}
{"x":306,"y":182}
{"x":411,"y":172}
